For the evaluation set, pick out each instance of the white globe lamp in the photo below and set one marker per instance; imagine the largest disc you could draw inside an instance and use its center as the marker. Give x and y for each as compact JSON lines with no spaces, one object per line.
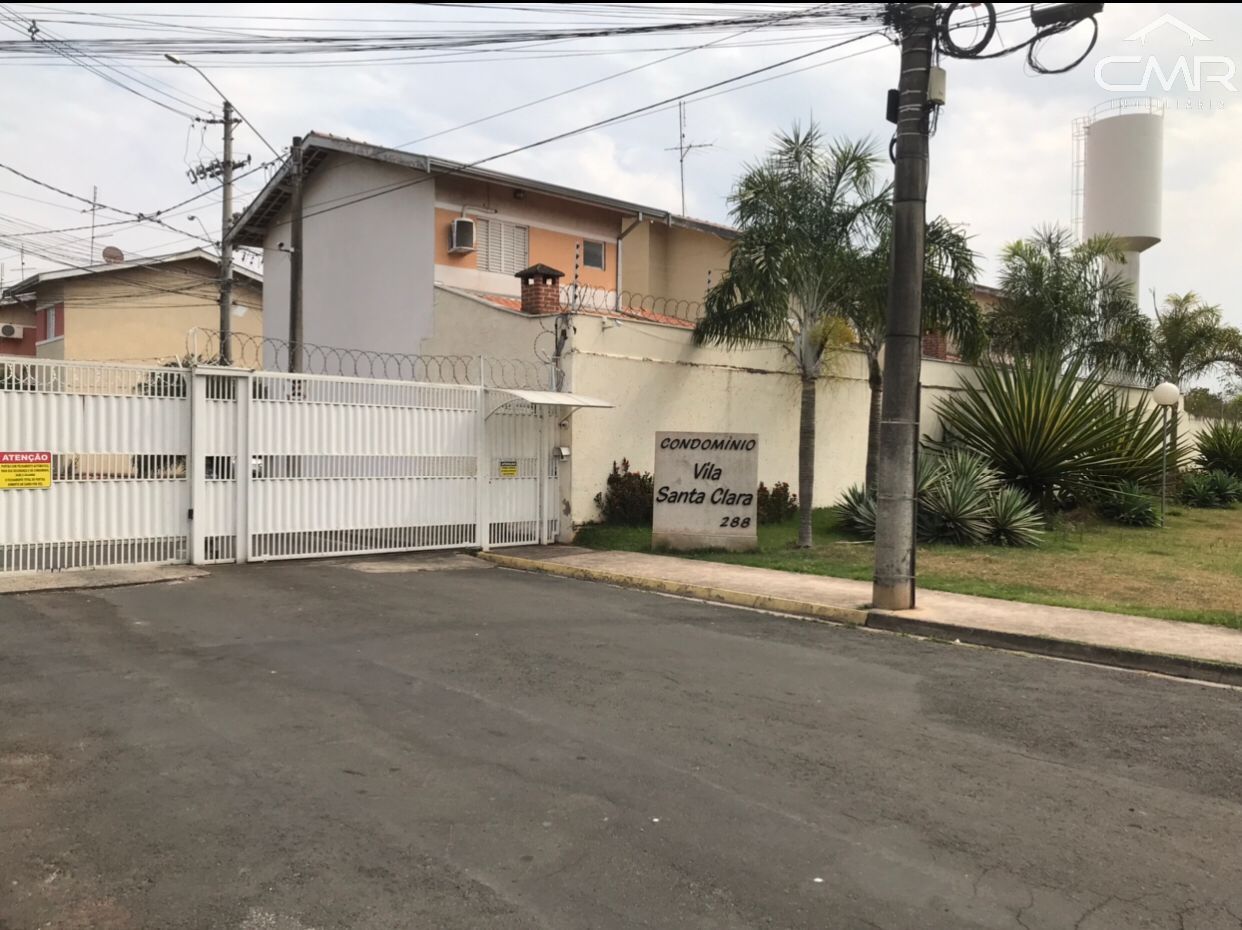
{"x":1167,"y":394}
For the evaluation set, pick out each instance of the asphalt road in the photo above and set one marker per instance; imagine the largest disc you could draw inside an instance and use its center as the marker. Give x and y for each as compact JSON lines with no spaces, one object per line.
{"x":298,"y":746}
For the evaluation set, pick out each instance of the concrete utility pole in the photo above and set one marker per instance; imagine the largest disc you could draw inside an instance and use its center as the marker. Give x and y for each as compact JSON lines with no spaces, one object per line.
{"x":295,"y":256}
{"x":896,"y":503}
{"x":226,"y":240}
{"x":224,"y":169}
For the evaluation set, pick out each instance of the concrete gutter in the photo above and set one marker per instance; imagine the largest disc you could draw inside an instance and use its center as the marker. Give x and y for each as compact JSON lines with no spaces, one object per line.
{"x":917,"y":624}
{"x":820,"y":612}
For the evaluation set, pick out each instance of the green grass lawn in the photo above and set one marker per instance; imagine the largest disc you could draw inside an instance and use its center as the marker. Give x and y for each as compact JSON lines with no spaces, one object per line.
{"x":1190,"y":570}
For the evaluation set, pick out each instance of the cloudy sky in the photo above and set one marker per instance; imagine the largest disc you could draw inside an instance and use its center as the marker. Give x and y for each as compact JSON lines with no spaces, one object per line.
{"x":1001,"y":160}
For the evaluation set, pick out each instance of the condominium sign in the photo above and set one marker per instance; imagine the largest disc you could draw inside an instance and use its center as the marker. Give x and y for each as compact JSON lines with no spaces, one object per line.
{"x":705,"y":491}
{"x":22,"y":470}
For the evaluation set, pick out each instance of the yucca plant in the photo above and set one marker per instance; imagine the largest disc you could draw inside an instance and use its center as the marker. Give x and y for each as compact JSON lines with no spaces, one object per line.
{"x":1197,"y":490}
{"x":1013,"y":520}
{"x":1138,"y":446}
{"x":1220,"y":447}
{"x":1047,"y":428}
{"x":1128,"y":503}
{"x":957,"y":507}
{"x":1226,"y":487}
{"x":857,"y":511}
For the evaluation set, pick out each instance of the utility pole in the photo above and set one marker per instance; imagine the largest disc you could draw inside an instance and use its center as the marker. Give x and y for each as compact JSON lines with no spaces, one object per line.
{"x":295,"y":256}
{"x":226,"y":241}
{"x":682,"y":149}
{"x":896,"y":503}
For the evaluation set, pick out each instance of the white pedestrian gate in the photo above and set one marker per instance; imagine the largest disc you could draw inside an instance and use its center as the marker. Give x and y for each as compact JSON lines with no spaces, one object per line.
{"x":155,"y":465}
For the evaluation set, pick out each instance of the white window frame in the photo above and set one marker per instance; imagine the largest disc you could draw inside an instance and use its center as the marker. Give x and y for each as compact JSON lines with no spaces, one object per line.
{"x":603,"y":254}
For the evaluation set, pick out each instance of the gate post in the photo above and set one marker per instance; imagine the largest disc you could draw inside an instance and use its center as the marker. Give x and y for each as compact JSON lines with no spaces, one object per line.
{"x":482,"y":471}
{"x":242,"y":470}
{"x":196,"y":464}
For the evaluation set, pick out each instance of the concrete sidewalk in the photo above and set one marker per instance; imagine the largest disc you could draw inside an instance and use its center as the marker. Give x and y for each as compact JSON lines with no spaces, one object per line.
{"x":1187,"y":650}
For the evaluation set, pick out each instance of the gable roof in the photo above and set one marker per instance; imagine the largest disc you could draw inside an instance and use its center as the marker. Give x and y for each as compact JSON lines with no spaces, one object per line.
{"x":44,"y":277}
{"x":316,"y":147}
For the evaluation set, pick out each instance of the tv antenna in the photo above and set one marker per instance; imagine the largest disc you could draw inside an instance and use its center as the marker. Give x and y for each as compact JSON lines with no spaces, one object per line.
{"x":682,"y":148}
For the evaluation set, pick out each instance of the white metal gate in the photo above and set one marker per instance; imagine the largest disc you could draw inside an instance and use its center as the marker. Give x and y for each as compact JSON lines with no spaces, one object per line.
{"x":155,"y":465}
{"x":523,"y":486}
{"x":119,"y":439}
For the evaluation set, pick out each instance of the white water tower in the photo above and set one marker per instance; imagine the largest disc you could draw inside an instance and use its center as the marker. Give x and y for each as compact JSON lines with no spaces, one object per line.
{"x":1118,"y":171}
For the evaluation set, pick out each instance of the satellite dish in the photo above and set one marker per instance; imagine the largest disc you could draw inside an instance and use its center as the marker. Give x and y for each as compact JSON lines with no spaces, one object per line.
{"x":112,"y":255}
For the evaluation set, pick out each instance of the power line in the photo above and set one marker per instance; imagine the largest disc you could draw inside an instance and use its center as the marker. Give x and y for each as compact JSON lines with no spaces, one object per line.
{"x":350,"y":200}
{"x":68,"y":50}
{"x":578,"y":87}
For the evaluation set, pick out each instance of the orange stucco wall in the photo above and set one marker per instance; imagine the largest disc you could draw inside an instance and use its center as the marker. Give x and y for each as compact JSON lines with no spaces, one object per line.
{"x":548,"y":246}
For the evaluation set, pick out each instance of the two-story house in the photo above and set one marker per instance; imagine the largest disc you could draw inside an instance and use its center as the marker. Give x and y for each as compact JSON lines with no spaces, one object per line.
{"x":382,"y":228}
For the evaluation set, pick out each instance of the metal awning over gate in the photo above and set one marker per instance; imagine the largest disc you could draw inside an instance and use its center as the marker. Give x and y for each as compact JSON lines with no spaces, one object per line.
{"x":543,"y":399}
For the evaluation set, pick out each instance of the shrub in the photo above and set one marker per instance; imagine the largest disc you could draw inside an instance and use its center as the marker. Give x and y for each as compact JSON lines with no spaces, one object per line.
{"x":1197,"y":491}
{"x":776,"y":505}
{"x":1013,"y":520}
{"x":1210,"y":489}
{"x":627,"y":496}
{"x":1127,"y":503}
{"x":1220,"y":448}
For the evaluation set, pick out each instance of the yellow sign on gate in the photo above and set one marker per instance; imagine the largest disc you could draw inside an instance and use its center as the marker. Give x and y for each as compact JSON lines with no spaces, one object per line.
{"x":23,"y":470}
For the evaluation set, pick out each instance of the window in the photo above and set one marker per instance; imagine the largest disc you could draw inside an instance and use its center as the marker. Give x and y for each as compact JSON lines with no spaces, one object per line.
{"x":51,"y":322}
{"x":593,"y":254}
{"x":502,"y":247}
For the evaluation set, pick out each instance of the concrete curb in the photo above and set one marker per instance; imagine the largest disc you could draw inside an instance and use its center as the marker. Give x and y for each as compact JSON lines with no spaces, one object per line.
{"x":819,"y":612}
{"x":94,"y":578}
{"x":1115,"y":656}
{"x":893,"y":622}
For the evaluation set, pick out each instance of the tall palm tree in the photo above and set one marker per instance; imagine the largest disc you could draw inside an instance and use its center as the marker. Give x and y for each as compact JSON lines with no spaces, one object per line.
{"x":1063,"y":297}
{"x":1191,"y":340}
{"x":949,"y":307}
{"x":807,"y":215}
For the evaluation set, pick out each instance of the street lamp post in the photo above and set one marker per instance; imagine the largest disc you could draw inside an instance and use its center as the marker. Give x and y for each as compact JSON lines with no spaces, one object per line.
{"x":1166,"y":395}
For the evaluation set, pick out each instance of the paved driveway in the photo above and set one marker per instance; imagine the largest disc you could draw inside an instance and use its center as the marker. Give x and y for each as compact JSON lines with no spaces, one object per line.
{"x":309,"y":745}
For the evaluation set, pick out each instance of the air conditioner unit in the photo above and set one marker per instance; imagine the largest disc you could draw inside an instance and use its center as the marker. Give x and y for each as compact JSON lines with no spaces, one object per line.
{"x":11,"y":331}
{"x":461,"y":236}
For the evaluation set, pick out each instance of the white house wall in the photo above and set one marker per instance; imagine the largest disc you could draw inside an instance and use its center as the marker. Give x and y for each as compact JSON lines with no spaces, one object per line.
{"x":367,"y":266}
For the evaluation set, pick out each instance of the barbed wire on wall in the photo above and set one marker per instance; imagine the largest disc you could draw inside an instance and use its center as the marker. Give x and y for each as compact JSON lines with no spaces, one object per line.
{"x":267,"y":353}
{"x":629,"y":303}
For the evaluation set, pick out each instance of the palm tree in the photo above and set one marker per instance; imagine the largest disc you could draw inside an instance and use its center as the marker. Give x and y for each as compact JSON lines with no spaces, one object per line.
{"x":1190,"y":340}
{"x":949,"y":307}
{"x":807,"y":216}
{"x":1062,"y":297}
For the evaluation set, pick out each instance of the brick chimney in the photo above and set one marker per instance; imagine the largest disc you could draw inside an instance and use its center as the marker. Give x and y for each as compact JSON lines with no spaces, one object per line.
{"x":541,"y":289}
{"x":935,"y":345}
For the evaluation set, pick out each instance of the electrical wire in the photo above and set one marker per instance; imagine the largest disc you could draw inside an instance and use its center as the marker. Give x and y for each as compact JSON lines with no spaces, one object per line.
{"x":92,"y":64}
{"x":594,"y":83}
{"x":358,"y":197}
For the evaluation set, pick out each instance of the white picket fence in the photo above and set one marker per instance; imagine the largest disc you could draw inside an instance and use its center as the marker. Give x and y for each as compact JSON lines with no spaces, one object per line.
{"x":155,"y":465}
